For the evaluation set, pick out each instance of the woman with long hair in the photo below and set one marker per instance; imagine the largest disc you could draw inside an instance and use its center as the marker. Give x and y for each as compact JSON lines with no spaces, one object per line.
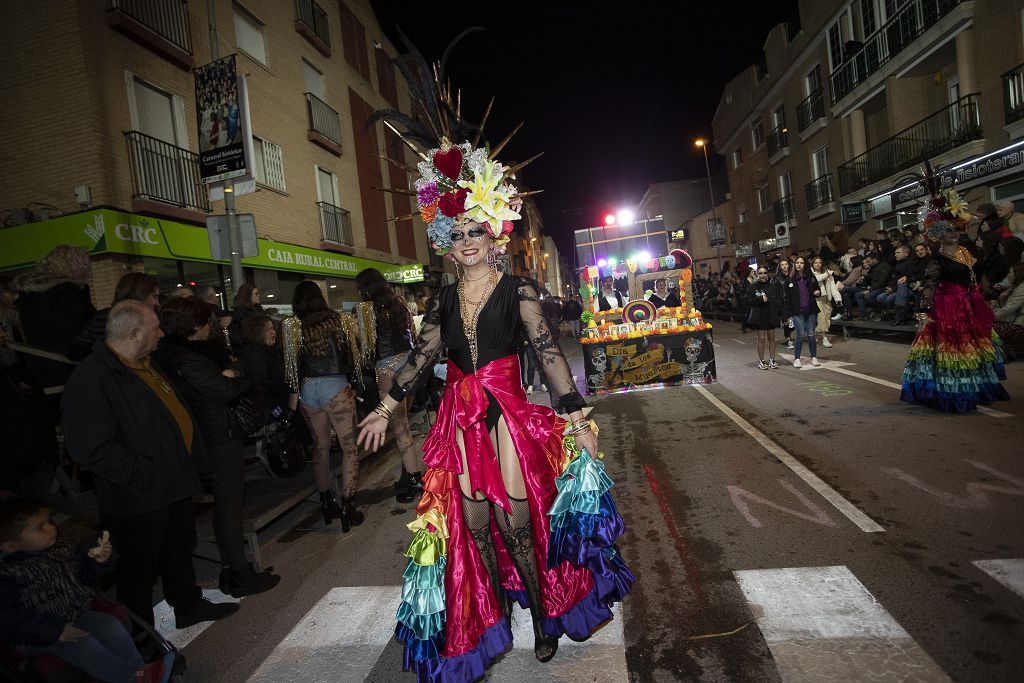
{"x":781,"y":279}
{"x":197,"y":364}
{"x":828,"y":298}
{"x":955,"y":361}
{"x":484,"y":536}
{"x":320,"y":350}
{"x":803,"y":309}
{"x":393,"y":336}
{"x":764,"y":297}
{"x":246,"y":303}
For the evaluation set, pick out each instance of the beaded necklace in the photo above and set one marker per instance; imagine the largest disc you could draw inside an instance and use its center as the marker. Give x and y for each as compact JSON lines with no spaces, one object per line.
{"x":469,"y":320}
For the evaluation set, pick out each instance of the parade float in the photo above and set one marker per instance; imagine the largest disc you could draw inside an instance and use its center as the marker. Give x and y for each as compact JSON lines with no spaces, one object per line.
{"x":641,"y":345}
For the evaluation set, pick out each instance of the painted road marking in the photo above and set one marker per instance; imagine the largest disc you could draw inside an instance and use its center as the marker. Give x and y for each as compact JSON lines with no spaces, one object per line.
{"x":892,"y":385}
{"x":822,"y":624}
{"x":742,"y":498}
{"x":343,"y":636}
{"x":339,"y":639}
{"x":844,"y":506}
{"x":1010,"y":573}
{"x":977,"y":493}
{"x":824,"y":388}
{"x":739,"y":342}
{"x":163,"y":618}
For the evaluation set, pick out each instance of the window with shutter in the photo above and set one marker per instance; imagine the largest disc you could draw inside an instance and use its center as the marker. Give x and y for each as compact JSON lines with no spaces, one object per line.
{"x":325,"y":186}
{"x":313,"y":79}
{"x":249,"y":35}
{"x":155,"y":112}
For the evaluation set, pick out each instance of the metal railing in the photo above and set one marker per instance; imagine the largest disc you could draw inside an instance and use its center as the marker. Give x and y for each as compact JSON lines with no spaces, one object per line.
{"x":323,"y":119}
{"x":1013,"y":94}
{"x":947,"y":128}
{"x":166,"y":173}
{"x":168,"y":19}
{"x":784,"y":208}
{"x":335,"y":223}
{"x":778,"y":139}
{"x":906,"y":26}
{"x":810,"y":110}
{"x":313,"y":15}
{"x":818,"y":192}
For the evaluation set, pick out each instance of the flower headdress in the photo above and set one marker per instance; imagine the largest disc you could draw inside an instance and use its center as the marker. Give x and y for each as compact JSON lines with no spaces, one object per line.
{"x":457,"y":182}
{"x":943,"y":210}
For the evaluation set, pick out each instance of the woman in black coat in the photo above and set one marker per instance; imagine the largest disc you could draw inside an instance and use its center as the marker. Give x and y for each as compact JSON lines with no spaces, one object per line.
{"x":197,"y":365}
{"x":765,"y":297}
{"x":261,"y":362}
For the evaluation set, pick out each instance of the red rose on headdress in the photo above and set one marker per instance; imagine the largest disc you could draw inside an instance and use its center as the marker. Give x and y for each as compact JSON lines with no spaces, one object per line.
{"x":453,"y":203}
{"x":507,"y":227}
{"x":939,"y":201}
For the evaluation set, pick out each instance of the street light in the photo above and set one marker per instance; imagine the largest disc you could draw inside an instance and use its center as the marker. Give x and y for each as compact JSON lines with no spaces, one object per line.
{"x":703,"y":144}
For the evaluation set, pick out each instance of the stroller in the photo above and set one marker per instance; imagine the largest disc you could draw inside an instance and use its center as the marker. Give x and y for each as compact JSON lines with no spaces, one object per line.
{"x":164,"y":664}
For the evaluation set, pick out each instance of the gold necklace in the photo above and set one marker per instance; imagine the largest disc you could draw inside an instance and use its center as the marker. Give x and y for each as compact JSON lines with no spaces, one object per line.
{"x":469,"y":320}
{"x":163,"y":383}
{"x":477,"y":279}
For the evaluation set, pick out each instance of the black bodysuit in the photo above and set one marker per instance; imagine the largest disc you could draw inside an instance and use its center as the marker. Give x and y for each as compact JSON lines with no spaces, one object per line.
{"x":512,"y":312}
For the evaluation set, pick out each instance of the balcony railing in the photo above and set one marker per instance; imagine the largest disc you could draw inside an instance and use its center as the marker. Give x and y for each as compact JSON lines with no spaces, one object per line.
{"x":818,"y":192}
{"x":335,"y":223}
{"x":778,"y":139}
{"x":785,"y":209}
{"x":906,"y":26}
{"x":168,"y":19}
{"x":946,"y":129}
{"x":810,"y":110}
{"x":314,"y":17}
{"x":1013,"y":94}
{"x":165,"y":173}
{"x":323,"y":119}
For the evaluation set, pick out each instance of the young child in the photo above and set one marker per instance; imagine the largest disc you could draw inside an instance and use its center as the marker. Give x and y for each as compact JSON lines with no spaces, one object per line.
{"x":45,"y":595}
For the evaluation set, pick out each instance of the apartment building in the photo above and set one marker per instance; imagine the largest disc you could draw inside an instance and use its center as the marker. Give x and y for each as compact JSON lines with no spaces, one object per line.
{"x":850,"y":97}
{"x":99,"y":139}
{"x":682,"y":204}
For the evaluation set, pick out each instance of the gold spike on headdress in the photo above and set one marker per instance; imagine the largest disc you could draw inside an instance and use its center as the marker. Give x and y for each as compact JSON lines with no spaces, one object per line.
{"x":497,"y":150}
{"x":523,"y":164}
{"x":407,"y":143}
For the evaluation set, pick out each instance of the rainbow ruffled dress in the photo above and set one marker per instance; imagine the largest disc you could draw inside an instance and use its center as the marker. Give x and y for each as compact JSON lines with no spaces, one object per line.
{"x":956,"y":361}
{"x":449,"y":620}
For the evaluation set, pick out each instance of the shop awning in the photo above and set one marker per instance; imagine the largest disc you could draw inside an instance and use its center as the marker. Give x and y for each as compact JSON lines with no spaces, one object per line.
{"x":108,"y":231}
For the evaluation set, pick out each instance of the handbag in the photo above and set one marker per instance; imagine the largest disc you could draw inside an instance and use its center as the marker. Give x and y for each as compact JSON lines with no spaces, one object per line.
{"x":367,"y":393}
{"x":249,"y":411}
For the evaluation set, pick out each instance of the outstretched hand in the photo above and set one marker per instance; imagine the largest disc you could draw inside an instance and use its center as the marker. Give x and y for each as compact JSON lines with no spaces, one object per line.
{"x":101,"y":552}
{"x":371,"y":432}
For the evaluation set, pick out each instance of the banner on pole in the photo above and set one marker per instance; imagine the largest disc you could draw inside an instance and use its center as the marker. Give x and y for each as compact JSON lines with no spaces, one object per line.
{"x":716,"y":232}
{"x":221,"y":112}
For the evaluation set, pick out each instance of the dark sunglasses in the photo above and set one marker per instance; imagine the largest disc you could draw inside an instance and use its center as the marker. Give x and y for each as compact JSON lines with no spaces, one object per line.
{"x":476,"y":233}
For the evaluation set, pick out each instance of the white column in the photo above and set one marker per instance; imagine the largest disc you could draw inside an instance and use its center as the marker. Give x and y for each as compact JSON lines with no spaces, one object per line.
{"x":857,"y":133}
{"x":965,"y":61}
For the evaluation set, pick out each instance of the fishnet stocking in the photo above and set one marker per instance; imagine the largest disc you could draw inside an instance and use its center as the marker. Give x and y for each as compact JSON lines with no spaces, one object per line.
{"x":478,"y":520}
{"x":515,"y":531}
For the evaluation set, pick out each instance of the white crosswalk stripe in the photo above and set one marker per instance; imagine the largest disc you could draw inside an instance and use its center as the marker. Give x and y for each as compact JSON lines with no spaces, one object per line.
{"x":343,"y":636}
{"x":822,"y":624}
{"x":1010,"y":573}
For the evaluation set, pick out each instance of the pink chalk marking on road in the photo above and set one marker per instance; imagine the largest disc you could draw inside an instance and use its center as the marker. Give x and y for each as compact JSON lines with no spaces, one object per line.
{"x":740,"y":497}
{"x":691,"y":571}
{"x":977,"y":496}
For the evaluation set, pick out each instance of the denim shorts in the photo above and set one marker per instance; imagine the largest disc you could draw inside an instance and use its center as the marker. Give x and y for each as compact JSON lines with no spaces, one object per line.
{"x":318,"y":392}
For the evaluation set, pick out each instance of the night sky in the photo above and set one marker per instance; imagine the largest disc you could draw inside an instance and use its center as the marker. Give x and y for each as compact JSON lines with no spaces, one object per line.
{"x":614,"y":98}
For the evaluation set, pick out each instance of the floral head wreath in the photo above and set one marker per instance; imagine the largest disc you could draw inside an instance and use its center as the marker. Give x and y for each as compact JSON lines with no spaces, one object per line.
{"x":943,"y":210}
{"x":457,"y":182}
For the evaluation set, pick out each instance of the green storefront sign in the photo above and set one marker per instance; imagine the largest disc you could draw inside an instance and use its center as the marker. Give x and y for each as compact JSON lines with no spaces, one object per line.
{"x":105,"y":231}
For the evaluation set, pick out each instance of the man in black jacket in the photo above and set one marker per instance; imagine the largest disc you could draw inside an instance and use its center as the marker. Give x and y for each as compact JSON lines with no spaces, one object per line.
{"x":125,"y":423}
{"x":878,"y":278}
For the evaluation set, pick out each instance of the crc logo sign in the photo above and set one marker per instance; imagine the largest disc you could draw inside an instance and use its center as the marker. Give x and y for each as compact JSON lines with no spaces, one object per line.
{"x":141,"y":234}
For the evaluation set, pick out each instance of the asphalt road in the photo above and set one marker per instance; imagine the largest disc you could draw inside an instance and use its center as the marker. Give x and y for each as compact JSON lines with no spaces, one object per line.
{"x":782,"y":525}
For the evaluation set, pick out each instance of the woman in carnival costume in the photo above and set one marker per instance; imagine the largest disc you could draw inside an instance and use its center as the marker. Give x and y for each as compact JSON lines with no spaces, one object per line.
{"x":956,"y":360}
{"x":514,"y":506}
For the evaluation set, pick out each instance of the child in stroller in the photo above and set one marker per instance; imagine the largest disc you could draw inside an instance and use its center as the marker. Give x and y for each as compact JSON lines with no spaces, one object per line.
{"x":52,"y":616}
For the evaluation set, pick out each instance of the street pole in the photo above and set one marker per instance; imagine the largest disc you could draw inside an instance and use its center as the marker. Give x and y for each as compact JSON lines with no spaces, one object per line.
{"x":711,"y":192}
{"x":234,"y":231}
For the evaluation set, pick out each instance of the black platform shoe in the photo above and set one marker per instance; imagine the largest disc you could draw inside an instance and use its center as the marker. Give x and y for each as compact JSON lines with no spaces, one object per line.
{"x":413,"y":488}
{"x":544,"y":646}
{"x":352,"y":515}
{"x":332,"y":509}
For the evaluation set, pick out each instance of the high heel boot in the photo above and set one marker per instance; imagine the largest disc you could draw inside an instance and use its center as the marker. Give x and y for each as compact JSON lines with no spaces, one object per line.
{"x":332,"y":509}
{"x":353,"y":516}
{"x":412,"y":489}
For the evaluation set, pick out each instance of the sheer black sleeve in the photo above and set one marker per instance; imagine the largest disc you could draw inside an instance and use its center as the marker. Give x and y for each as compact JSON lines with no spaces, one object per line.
{"x":931,"y":280}
{"x":424,"y":352}
{"x":565,"y":397}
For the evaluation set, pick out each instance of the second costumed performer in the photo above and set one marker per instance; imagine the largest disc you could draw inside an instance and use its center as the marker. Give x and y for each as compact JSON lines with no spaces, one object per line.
{"x":505,"y":514}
